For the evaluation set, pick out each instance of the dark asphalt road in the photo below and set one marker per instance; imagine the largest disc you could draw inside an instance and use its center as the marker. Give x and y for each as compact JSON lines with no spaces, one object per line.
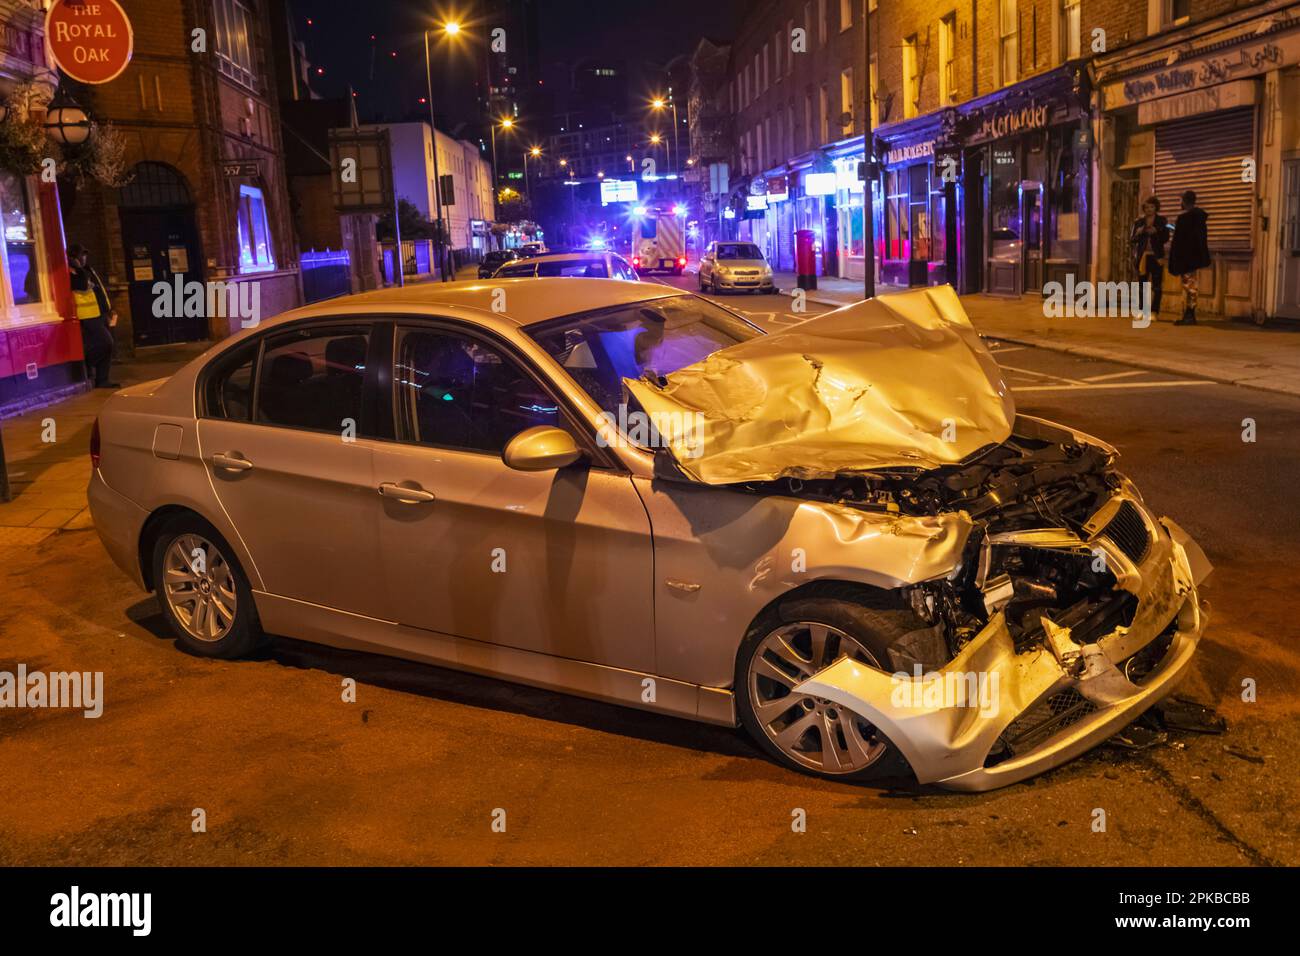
{"x":414,"y":770}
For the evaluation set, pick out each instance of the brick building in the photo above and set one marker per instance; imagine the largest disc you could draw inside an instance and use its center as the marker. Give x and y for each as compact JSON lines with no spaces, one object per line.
{"x":197,"y":108}
{"x":1013,"y":139}
{"x":796,"y":101}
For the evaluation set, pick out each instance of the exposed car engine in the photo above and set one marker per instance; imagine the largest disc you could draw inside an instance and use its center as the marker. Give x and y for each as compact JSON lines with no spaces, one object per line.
{"x":1023,"y":484}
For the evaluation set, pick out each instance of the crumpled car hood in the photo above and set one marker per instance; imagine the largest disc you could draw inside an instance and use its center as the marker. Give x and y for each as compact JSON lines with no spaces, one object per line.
{"x":897,"y":381}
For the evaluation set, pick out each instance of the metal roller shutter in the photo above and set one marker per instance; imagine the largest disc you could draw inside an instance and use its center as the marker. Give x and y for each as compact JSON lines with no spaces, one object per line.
{"x":1204,"y":154}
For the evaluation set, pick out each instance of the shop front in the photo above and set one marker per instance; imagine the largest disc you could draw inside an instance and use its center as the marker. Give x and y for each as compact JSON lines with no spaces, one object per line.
{"x":40,"y":339}
{"x":849,"y":240}
{"x":916,"y":204}
{"x":1025,"y":158}
{"x":1205,"y":110}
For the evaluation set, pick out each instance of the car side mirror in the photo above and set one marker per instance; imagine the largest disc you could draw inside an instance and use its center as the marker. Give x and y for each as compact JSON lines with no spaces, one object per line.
{"x":541,"y":448}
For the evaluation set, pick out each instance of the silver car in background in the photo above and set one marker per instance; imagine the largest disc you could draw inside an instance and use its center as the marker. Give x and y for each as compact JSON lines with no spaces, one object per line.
{"x":735,"y":267}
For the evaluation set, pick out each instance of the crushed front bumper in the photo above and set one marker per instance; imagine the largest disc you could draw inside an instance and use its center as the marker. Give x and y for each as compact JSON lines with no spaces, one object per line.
{"x":1057,"y":699}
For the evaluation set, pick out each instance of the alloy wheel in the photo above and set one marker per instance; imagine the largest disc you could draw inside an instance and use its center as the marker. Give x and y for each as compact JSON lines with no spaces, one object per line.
{"x":199,"y":587}
{"x":814,"y":732}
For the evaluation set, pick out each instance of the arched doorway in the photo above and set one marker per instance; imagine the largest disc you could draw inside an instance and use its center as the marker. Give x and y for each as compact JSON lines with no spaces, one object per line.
{"x":161,"y":238}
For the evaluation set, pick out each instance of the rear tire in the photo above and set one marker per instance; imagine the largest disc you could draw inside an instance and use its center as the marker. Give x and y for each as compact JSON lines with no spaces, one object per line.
{"x":202,"y":590}
{"x":791,"y":642}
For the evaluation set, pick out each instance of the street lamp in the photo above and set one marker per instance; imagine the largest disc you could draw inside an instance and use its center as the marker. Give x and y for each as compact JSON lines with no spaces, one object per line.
{"x":631,"y":166}
{"x":506,"y":124}
{"x":535,"y":152}
{"x":67,"y":123}
{"x":659,"y":103}
{"x":451,"y":28}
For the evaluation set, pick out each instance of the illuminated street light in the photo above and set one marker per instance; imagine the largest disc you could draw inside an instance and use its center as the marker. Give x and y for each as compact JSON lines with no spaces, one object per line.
{"x":535,"y":152}
{"x":659,"y":103}
{"x":451,"y":28}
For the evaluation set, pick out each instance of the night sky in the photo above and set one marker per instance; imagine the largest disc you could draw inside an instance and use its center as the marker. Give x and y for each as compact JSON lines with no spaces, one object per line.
{"x":389,"y":87}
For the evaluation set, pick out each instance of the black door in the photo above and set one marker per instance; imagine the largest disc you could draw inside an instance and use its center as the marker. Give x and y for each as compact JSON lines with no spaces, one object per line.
{"x":160,"y":245}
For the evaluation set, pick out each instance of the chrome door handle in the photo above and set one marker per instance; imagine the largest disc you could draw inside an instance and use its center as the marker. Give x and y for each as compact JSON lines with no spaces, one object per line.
{"x":231,"y":461}
{"x":410,"y":496}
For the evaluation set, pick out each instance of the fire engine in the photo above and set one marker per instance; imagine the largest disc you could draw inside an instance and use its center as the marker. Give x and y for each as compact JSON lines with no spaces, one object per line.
{"x":659,"y":236}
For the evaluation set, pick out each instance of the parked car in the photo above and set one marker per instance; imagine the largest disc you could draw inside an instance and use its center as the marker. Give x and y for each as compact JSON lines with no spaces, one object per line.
{"x":532,"y":249}
{"x":589,"y":265}
{"x":735,"y":267}
{"x":840,"y":535}
{"x":494,"y":260}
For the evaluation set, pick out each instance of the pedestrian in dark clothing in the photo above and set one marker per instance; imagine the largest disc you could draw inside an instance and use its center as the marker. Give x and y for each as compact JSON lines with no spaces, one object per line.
{"x":96,"y":314}
{"x":1189,"y":252}
{"x":1148,"y":238}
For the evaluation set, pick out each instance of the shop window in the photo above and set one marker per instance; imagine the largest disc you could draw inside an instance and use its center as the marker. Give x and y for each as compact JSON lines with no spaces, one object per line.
{"x":255,"y":252}
{"x":1004,"y":204}
{"x":918,"y":177}
{"x":1063,"y":236}
{"x":896,"y":216}
{"x":22,"y":256}
{"x":234,"y":40}
{"x":1008,"y":42}
{"x":938,"y":221}
{"x":947,"y":58}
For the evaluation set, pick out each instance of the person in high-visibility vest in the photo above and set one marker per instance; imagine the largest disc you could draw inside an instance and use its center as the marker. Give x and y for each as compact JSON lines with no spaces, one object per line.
{"x":96,"y":314}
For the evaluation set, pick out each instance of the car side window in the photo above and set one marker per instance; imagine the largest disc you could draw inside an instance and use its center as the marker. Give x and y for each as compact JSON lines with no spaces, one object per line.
{"x":313,"y":378}
{"x":229,"y":389}
{"x":455,"y":391}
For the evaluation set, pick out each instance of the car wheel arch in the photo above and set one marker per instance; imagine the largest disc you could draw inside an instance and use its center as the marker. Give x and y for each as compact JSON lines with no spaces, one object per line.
{"x":154,"y":524}
{"x":778,"y":609}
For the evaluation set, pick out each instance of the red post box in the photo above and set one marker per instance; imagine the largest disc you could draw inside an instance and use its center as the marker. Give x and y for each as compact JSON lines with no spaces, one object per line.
{"x":805,"y":259}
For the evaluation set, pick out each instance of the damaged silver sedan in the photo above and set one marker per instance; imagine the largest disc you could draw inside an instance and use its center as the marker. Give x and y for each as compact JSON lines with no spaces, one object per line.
{"x":840,"y":536}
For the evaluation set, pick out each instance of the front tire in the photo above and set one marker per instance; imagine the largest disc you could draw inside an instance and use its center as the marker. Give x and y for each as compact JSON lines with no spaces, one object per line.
{"x":790,"y":643}
{"x":203,"y":592}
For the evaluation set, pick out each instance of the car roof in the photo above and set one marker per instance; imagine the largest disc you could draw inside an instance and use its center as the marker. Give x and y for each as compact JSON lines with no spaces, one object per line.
{"x":527,"y":301}
{"x":570,"y":256}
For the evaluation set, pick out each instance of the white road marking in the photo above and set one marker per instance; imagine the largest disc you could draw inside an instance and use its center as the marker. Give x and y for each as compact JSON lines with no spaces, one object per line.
{"x":1111,"y":375}
{"x":1085,"y":386}
{"x":1030,"y":371}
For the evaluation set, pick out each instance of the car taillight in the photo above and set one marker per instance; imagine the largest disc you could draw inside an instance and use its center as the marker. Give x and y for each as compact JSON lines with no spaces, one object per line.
{"x":94,"y":444}
{"x":681,"y":261}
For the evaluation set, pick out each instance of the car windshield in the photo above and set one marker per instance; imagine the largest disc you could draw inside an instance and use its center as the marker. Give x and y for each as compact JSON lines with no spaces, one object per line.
{"x":739,"y":250}
{"x":654,"y":339}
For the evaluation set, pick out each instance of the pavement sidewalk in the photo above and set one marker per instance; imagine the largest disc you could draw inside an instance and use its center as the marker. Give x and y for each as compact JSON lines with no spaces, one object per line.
{"x":1235,"y":353}
{"x":47,"y":451}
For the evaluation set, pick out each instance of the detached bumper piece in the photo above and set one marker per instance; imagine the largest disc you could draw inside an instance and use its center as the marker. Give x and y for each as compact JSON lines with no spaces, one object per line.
{"x":997,"y":714}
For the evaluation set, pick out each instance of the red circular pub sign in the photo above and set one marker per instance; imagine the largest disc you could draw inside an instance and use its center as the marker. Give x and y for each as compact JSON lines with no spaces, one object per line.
{"x":90,"y":40}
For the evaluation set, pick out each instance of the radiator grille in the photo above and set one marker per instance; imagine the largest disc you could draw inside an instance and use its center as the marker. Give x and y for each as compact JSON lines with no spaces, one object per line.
{"x":1129,"y":532}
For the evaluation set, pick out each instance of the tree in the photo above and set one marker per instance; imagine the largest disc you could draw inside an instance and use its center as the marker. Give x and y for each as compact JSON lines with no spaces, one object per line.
{"x":414,"y":225}
{"x":512,"y":206}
